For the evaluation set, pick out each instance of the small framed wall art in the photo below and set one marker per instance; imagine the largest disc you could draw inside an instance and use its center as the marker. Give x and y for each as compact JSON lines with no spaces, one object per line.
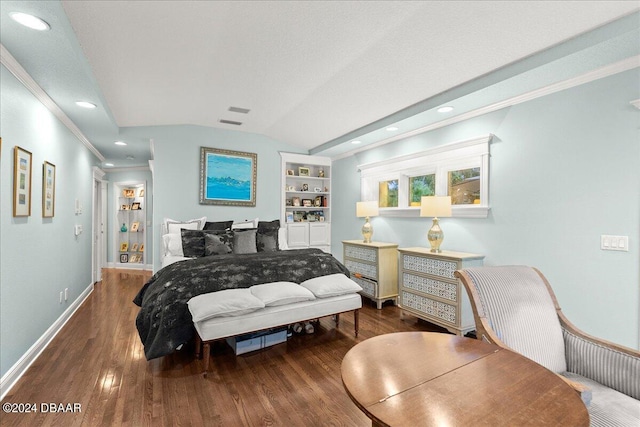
{"x":48,"y":190}
{"x":21,"y":182}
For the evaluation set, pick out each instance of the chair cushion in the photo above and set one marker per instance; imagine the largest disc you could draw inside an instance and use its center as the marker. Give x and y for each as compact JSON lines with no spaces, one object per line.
{"x":228,"y":302}
{"x":331,"y":285}
{"x":608,"y":407}
{"x":517,"y":303}
{"x":281,"y":293}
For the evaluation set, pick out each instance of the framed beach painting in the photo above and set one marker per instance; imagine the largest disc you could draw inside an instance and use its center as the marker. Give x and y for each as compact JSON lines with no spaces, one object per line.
{"x":48,"y":190}
{"x":227,"y":177}
{"x":21,"y":182}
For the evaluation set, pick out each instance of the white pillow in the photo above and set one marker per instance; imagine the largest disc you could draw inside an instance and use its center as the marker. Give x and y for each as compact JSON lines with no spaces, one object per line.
{"x":251,"y":223}
{"x":172,"y":245}
{"x":281,"y":293}
{"x":172,"y":226}
{"x":331,"y":285}
{"x":282,"y":239}
{"x":226,"y":303}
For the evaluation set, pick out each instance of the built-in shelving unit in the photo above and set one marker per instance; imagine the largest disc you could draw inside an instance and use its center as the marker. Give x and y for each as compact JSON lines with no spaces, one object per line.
{"x":306,"y":200}
{"x":129,"y":241}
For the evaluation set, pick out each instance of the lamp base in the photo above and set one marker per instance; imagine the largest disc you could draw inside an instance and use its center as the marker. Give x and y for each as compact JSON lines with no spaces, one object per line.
{"x":435,"y":236}
{"x":367,"y":231}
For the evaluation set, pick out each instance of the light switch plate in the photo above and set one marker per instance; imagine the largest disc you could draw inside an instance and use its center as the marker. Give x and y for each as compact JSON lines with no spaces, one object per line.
{"x":614,"y":243}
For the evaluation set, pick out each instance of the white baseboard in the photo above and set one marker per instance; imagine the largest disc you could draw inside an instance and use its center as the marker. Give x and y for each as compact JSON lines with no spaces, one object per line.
{"x":9,"y":379}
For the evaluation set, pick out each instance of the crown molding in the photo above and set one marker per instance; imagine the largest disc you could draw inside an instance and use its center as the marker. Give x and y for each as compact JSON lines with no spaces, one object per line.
{"x":599,"y":73}
{"x":128,"y":169}
{"x":21,"y":74}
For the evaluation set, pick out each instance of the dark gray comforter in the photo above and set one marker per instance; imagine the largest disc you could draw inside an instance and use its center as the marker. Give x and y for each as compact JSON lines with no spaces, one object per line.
{"x":164,"y":321}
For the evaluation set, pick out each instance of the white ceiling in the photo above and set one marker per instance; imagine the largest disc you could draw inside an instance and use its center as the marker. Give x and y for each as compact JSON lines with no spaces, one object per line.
{"x":310,"y":72}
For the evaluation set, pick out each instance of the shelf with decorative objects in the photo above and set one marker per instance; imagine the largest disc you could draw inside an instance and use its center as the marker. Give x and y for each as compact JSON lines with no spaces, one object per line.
{"x":306,"y":200}
{"x":129,"y":240}
{"x":428,"y":289}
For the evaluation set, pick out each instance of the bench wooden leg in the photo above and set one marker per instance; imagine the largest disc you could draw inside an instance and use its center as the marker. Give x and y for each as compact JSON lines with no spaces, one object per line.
{"x":336,"y":317}
{"x":198,"y":346}
{"x":356,"y":318}
{"x":207,"y":350}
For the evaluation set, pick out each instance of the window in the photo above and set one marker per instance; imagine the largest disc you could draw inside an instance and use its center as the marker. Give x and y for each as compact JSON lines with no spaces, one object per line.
{"x":460,"y":170}
{"x":423,"y":185}
{"x":388,"y":194}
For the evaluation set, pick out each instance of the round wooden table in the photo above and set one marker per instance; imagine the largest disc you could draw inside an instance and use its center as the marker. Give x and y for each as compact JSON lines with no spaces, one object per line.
{"x":434,"y":379}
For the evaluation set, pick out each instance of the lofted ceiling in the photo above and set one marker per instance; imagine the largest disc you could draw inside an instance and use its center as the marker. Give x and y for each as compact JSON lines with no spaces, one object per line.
{"x":313,"y":74}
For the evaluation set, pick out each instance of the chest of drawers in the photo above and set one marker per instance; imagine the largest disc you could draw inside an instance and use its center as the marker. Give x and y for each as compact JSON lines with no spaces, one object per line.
{"x":428,"y":289}
{"x":374,"y":266}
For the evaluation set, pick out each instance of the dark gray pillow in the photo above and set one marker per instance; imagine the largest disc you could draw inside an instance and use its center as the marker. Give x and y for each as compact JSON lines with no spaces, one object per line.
{"x":217,"y":242}
{"x":219,"y":225}
{"x":244,"y":241}
{"x":192,"y":243}
{"x":267,"y":236}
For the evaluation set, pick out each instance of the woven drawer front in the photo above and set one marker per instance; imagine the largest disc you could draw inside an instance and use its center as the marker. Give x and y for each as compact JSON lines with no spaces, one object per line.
{"x":358,"y":252}
{"x":433,"y":308}
{"x":429,"y":286}
{"x":366,"y":270}
{"x":429,"y":265}
{"x":369,"y":287}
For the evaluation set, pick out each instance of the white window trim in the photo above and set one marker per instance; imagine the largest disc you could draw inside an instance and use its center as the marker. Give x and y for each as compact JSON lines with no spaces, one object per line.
{"x":439,"y":160}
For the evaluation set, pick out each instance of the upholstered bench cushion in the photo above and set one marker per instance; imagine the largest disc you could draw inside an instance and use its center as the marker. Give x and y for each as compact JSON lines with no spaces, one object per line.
{"x":225,"y":303}
{"x":281,"y":293}
{"x":608,"y":407}
{"x":331,"y":285}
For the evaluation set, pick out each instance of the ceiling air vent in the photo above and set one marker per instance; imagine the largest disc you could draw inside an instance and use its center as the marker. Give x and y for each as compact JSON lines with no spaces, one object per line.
{"x":239,"y":110}
{"x":230,"y":122}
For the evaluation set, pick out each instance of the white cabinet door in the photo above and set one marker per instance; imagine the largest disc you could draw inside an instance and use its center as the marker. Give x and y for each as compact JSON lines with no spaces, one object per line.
{"x":319,"y":234}
{"x":298,"y":235}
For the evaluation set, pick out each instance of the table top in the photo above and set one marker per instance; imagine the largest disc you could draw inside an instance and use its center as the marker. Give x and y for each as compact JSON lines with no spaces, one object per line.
{"x":429,"y":378}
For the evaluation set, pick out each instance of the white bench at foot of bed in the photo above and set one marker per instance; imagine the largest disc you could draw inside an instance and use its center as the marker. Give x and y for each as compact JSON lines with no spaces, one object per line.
{"x":218,"y":328}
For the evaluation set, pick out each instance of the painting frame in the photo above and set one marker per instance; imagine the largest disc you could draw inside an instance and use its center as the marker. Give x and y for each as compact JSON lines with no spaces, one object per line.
{"x":22,"y":168}
{"x":48,"y":190}
{"x":228,"y":177}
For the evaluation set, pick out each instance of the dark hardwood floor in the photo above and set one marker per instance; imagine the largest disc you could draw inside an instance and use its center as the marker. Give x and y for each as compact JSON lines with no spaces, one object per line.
{"x":97,"y":362}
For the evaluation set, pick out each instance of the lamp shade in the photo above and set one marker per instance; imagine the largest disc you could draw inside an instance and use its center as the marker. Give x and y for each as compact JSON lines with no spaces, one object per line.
{"x":366,"y":209}
{"x":435,"y":206}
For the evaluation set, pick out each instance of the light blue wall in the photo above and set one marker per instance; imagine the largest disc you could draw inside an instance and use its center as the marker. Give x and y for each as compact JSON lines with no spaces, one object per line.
{"x":129,"y":176}
{"x":565,"y":169}
{"x":39,"y":257}
{"x":176,"y":175}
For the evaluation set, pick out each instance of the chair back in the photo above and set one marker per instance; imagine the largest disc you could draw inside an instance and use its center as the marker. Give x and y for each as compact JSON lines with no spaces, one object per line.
{"x":513,"y":308}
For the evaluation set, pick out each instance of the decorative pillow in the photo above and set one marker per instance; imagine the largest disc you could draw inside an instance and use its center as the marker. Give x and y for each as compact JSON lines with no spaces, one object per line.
{"x":281,"y":293}
{"x":244,"y":241}
{"x":171,"y":226}
{"x":331,"y":285}
{"x":172,"y":245}
{"x":219,"y":225}
{"x":192,"y":243}
{"x":226,"y":303}
{"x":250,"y":223}
{"x":267,"y":236}
{"x":217,"y":242}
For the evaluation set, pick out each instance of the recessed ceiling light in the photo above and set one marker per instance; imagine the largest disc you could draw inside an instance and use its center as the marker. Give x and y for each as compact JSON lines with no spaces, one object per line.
{"x":392,"y":128}
{"x":356,"y":142}
{"x":120,"y":143}
{"x":445,"y":109}
{"x":85,"y":104}
{"x":109,"y":164}
{"x":30,"y":21}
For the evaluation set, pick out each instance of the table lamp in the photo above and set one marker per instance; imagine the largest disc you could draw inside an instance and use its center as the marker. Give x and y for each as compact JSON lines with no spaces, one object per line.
{"x":367,"y":209}
{"x":435,"y":206}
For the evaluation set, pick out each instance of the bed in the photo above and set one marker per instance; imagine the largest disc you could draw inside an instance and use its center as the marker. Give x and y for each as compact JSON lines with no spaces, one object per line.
{"x":164,"y":322}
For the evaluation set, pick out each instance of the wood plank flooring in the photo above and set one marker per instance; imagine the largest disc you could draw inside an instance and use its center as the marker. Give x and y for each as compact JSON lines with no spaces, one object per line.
{"x":97,"y":362}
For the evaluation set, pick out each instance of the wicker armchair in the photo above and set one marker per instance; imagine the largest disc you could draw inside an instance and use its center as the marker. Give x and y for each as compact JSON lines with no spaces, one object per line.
{"x":515,"y":307}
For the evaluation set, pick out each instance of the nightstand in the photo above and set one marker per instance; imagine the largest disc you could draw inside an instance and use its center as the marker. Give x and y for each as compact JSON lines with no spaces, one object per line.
{"x":428,"y":289}
{"x":374,"y":266}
